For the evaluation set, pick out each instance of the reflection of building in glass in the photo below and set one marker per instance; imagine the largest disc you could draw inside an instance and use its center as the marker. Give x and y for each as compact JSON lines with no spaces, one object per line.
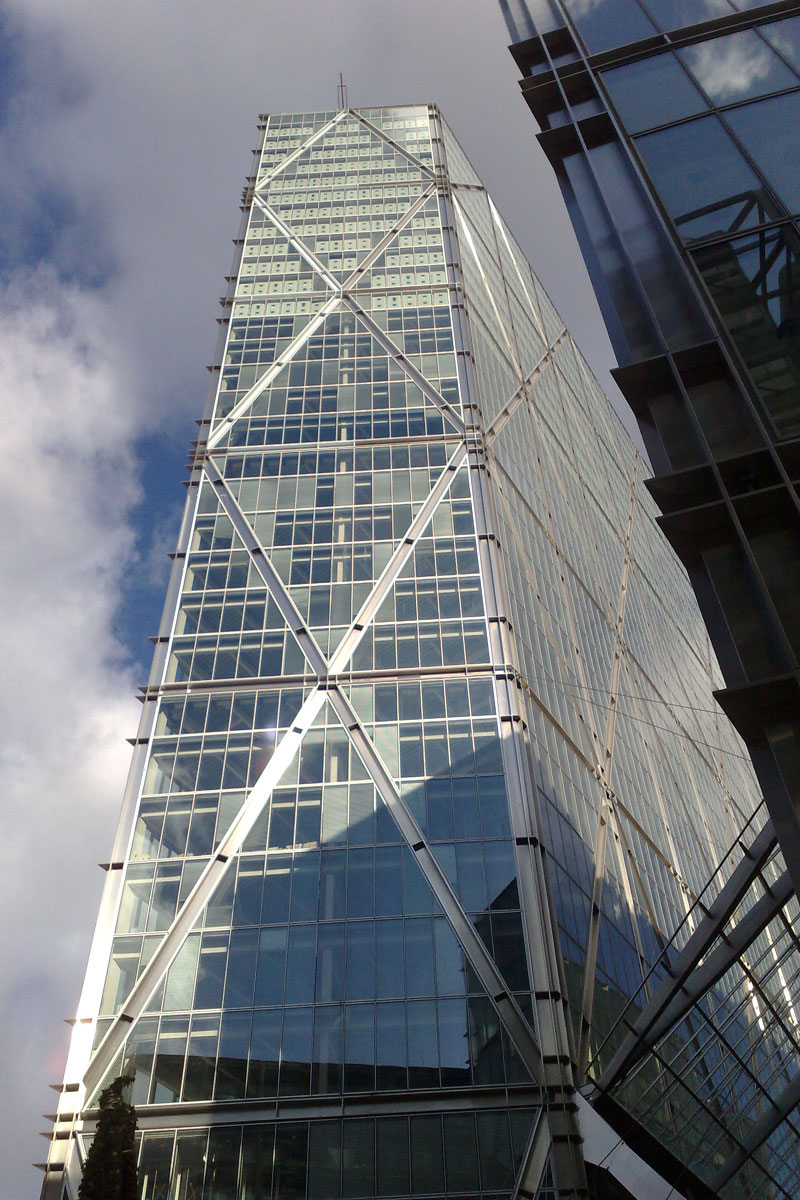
{"x":674,"y":129}
{"x":426,"y":777}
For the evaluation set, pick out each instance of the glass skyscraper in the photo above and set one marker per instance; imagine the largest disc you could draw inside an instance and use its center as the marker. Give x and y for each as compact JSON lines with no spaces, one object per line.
{"x":427,"y":782}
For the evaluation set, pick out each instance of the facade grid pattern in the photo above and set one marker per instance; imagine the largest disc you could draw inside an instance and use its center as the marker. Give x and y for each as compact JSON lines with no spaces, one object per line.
{"x":424,"y":782}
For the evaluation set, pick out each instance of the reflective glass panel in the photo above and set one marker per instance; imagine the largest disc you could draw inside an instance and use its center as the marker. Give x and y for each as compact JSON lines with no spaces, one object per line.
{"x":608,"y":23}
{"x":737,"y":67}
{"x":785,"y":37}
{"x":755,"y":284}
{"x":674,"y":14}
{"x":652,"y":92}
{"x":770,"y":132}
{"x":700,"y":175}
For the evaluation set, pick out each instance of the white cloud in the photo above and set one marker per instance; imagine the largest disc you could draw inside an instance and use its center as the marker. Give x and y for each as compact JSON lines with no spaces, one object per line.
{"x":729,"y":68}
{"x":66,"y":490}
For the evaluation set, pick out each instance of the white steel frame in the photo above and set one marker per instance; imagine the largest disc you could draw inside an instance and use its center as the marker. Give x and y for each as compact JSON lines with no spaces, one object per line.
{"x":547,"y":1050}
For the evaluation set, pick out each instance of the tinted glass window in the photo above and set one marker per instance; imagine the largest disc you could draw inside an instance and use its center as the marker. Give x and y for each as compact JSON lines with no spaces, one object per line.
{"x":737,"y":67}
{"x":608,"y":23}
{"x":673,"y":14}
{"x":785,"y":37}
{"x":770,"y":132}
{"x":653,"y":92}
{"x":745,"y":4}
{"x":755,"y":284}
{"x":701,"y":176}
{"x":654,"y":263}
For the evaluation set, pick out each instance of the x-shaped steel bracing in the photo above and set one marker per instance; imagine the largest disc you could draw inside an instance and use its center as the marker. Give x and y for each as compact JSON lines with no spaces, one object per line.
{"x":328,"y":687}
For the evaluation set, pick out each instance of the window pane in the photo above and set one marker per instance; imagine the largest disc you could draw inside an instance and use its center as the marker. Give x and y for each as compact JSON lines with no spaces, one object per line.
{"x":291,"y":1145}
{"x":770,"y":132}
{"x":190,"y":1158}
{"x":271,"y":965}
{"x":222,"y":1164}
{"x":737,"y":67}
{"x":359,"y":1051}
{"x":785,"y":37}
{"x":234,"y":1042}
{"x":423,"y":1050}
{"x":241,"y":968}
{"x":324,"y":1159}
{"x":389,"y":959}
{"x":155,"y":1163}
{"x":427,"y":1162}
{"x":257,"y":1147}
{"x":326,"y":1075}
{"x":494,"y":1144}
{"x":700,"y":175}
{"x":392,"y":1156}
{"x":391,"y":1045}
{"x":653,"y":92}
{"x":608,"y":23}
{"x":419,"y":957}
{"x":360,"y":976}
{"x":301,"y":964}
{"x":358,"y":1158}
{"x":755,"y":284}
{"x":461,"y":1153}
{"x":265,"y":1048}
{"x":673,"y":14}
{"x":454,"y":1043}
{"x":296,"y":1049}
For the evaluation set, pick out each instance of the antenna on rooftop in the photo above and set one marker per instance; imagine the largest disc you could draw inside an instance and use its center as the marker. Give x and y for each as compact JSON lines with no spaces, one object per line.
{"x":341,"y":91}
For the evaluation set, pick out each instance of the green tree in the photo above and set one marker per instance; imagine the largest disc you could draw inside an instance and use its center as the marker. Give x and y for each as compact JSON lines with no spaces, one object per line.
{"x":110,"y":1171}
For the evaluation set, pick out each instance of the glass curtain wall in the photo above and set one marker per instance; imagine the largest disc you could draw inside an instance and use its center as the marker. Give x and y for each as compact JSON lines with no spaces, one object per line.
{"x":327,"y":779}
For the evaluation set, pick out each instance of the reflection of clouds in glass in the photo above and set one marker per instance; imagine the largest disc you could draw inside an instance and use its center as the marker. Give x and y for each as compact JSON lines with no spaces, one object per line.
{"x":728,"y":68}
{"x":582,"y":8}
{"x":785,"y":37}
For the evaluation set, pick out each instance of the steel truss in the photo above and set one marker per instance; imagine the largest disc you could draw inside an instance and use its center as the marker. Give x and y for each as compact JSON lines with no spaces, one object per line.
{"x":720,"y":941}
{"x":681,"y":989}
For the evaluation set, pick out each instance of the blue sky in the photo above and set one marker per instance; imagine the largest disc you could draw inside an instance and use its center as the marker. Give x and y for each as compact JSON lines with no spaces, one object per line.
{"x":125,"y":137}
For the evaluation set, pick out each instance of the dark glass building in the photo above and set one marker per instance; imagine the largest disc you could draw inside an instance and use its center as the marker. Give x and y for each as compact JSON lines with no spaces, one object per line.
{"x":674,"y":129}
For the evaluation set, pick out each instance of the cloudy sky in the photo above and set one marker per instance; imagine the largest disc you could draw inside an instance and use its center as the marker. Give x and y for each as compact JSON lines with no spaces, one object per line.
{"x":125,"y":135}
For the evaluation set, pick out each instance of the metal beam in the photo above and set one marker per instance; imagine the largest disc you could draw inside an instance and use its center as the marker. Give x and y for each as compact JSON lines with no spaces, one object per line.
{"x":225,"y":424}
{"x":604,"y":770}
{"x":200,"y":894}
{"x":482,"y":962}
{"x":534,"y":1160}
{"x":782,"y":1107}
{"x":307,"y":144}
{"x":394,"y":352}
{"x":384,"y":137}
{"x":388,"y":577}
{"x":300,"y":246}
{"x":521,"y":393}
{"x":721,"y":959}
{"x":708,"y":930}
